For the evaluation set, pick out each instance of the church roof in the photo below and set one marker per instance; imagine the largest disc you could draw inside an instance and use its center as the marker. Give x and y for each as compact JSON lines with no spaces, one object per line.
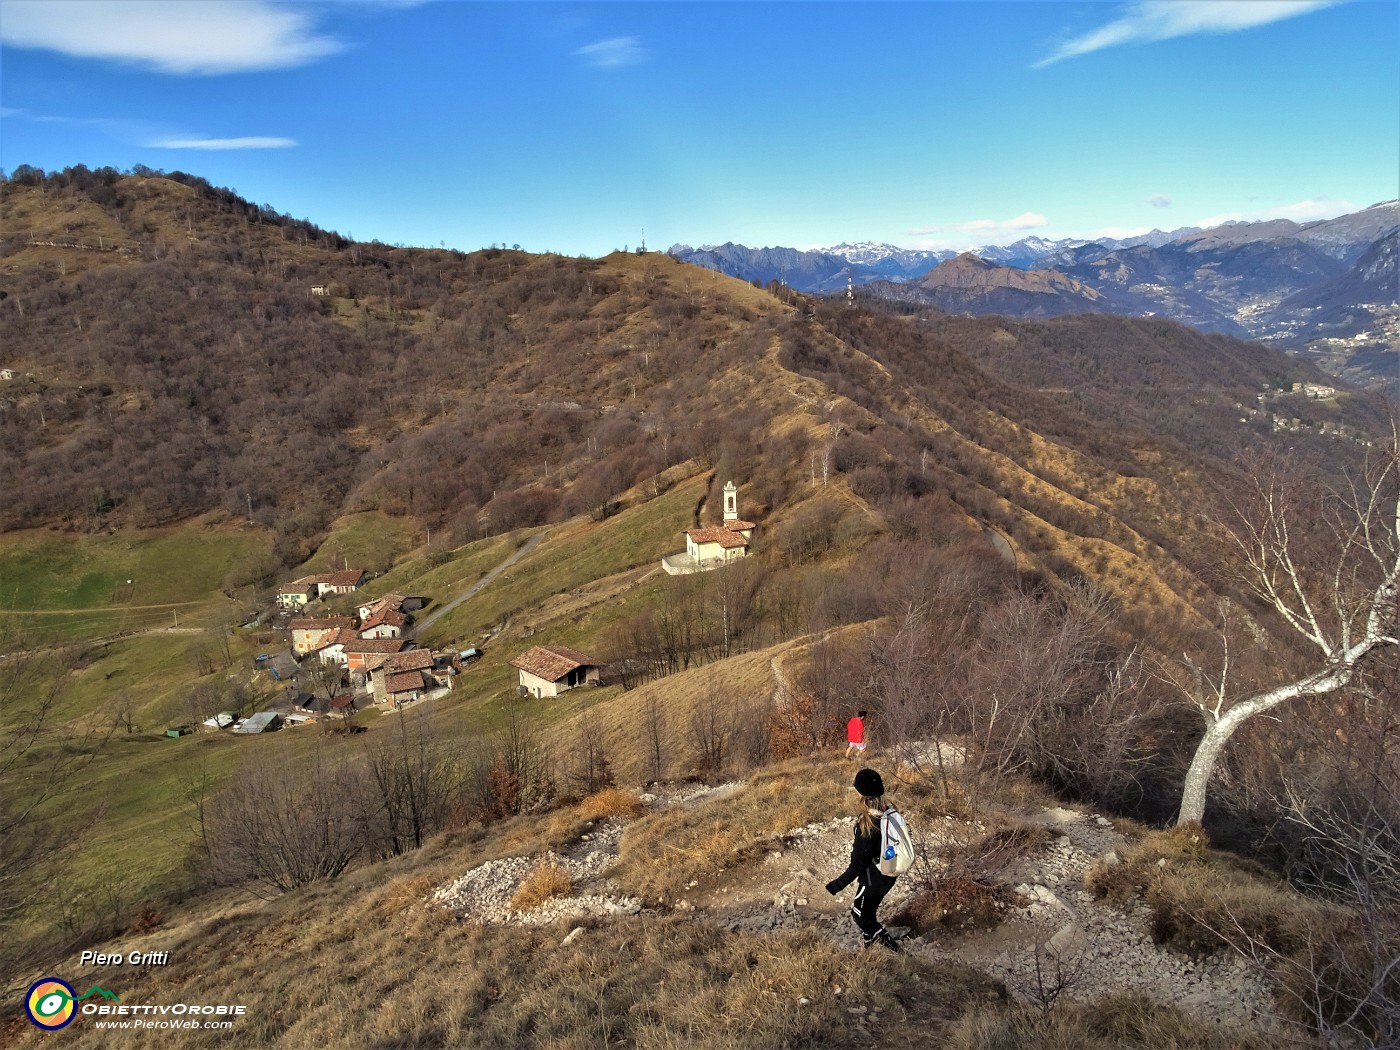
{"x":713,"y":534}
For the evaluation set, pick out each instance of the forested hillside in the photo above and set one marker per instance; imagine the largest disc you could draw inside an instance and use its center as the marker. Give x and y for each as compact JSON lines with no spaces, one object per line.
{"x":173,"y":359}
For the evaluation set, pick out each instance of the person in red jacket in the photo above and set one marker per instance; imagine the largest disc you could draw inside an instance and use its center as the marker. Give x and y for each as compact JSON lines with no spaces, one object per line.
{"x":864,"y":869}
{"x":855,"y":734}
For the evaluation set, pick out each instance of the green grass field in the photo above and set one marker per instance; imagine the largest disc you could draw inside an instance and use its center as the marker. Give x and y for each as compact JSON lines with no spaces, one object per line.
{"x":574,"y":554}
{"x":61,"y":587}
{"x":370,"y":540}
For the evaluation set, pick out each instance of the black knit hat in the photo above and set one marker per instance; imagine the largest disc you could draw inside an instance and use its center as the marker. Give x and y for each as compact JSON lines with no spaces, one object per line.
{"x":869,"y":784}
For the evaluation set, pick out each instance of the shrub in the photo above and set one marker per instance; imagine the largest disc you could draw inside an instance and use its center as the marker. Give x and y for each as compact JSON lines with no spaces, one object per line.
{"x":1202,"y":900}
{"x":550,"y":879}
{"x":611,"y":802}
{"x":1112,"y":1023}
{"x":959,"y":901}
{"x":1179,"y":848}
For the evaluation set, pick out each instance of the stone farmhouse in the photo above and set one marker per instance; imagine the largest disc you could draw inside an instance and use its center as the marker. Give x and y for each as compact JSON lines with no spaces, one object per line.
{"x":548,"y":670}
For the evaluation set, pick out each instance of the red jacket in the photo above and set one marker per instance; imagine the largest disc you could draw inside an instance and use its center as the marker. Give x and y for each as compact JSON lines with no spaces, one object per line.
{"x":855,"y":731}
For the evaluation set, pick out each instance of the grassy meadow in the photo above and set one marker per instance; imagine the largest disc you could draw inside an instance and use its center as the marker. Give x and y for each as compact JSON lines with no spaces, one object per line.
{"x":64,"y":587}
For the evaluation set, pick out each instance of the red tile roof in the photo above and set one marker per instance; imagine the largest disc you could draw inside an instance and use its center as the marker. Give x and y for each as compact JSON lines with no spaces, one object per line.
{"x":552,"y":662}
{"x":321,"y":623}
{"x":385,"y":601}
{"x":402,"y":683}
{"x":714,"y":534}
{"x":342,"y":578}
{"x":739,"y":525}
{"x":413,"y":660}
{"x":374,"y":645}
{"x":392,"y":617}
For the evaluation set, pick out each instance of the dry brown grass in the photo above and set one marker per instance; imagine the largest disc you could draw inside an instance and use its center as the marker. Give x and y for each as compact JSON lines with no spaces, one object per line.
{"x":741,"y":688}
{"x":548,"y":880}
{"x":1119,"y":1022}
{"x":1202,"y":899}
{"x":408,"y":978}
{"x":1183,"y":848}
{"x":613,"y":802}
{"x":663,"y":852}
{"x":959,"y":902}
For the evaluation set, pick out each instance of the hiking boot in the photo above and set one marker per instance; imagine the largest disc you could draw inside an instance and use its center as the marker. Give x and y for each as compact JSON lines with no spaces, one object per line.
{"x":884,"y":940}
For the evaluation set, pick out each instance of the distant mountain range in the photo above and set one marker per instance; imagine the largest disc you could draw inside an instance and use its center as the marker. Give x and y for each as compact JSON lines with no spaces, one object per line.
{"x":825,"y":270}
{"x":1327,"y":288}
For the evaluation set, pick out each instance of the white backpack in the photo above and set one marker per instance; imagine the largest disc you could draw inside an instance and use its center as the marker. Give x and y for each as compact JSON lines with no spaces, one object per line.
{"x":896,"y":844}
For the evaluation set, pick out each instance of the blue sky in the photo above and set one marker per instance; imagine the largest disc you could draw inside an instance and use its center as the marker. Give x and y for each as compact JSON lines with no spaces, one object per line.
{"x":573,"y":127}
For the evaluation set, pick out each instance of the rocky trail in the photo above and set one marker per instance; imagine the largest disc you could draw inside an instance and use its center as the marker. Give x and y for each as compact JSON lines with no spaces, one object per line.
{"x":1093,"y":947}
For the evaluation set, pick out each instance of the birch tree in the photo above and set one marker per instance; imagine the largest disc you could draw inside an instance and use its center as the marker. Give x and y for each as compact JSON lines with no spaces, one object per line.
{"x":1339,"y":596}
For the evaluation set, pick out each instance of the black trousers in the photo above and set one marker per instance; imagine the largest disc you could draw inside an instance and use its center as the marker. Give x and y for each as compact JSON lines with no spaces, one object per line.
{"x":871,"y":888}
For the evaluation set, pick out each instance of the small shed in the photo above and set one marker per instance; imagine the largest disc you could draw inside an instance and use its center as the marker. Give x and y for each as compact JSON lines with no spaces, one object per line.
{"x":262,"y":722}
{"x":222,"y":720}
{"x":548,"y":670}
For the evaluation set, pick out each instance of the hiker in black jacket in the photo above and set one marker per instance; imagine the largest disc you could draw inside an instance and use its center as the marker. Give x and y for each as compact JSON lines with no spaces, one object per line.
{"x":865,"y":859}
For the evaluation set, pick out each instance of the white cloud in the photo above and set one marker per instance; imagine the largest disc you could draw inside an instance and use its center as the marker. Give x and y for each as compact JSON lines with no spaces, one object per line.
{"x":182,"y":37}
{"x":1299,"y":211}
{"x":1027,"y":220}
{"x":246,"y":142}
{"x":614,"y":52}
{"x":1160,"y":200}
{"x":1148,"y":20}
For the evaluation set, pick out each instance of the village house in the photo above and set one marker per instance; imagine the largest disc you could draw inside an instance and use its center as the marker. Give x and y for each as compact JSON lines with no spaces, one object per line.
{"x":300,"y":593}
{"x":388,"y":665}
{"x":311,"y":632}
{"x":7,"y":374}
{"x":387,"y":623}
{"x":361,"y":653}
{"x":548,"y":670}
{"x":296,"y":595}
{"x":341,"y":705}
{"x":346,"y":581}
{"x":394,"y":602}
{"x":404,"y":687}
{"x":333,"y":649}
{"x":371,"y":607}
{"x":713,"y":546}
